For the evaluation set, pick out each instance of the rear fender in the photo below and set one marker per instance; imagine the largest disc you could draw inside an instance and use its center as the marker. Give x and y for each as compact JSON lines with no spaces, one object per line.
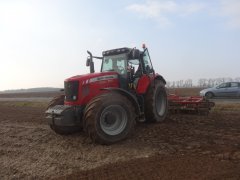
{"x":145,"y":81}
{"x":131,"y":97}
{"x":159,"y":77}
{"x":143,"y":84}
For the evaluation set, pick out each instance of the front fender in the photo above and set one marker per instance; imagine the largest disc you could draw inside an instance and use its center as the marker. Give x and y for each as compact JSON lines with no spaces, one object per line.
{"x":131,"y":97}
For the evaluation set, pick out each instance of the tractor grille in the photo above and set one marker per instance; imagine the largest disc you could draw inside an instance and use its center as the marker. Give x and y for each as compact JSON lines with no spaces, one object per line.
{"x":71,"y":90}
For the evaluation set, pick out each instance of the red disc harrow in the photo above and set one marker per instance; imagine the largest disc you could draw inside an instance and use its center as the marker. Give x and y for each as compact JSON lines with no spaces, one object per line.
{"x":194,"y":104}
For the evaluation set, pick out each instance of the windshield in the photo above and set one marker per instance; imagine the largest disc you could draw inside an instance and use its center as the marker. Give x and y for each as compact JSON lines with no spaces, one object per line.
{"x":115,"y":63}
{"x":134,"y":62}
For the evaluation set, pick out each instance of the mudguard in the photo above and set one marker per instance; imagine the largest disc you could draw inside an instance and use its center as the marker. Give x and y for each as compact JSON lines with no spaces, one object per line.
{"x":131,"y":97}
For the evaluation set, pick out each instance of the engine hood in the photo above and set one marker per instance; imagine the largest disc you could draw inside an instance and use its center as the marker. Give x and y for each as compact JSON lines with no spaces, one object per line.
{"x":92,"y":76}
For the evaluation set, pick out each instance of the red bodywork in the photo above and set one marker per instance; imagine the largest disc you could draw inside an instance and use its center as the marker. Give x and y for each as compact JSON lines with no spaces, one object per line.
{"x":143,"y":84}
{"x":90,"y":85}
{"x":185,"y":100}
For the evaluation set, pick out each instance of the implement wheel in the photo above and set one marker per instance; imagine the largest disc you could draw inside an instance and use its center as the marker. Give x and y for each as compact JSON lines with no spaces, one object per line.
{"x":156,"y":103}
{"x":62,"y":130}
{"x":109,"y":118}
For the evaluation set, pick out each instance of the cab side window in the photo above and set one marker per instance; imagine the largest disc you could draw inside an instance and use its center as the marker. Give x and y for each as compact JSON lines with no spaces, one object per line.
{"x":147,"y":62}
{"x":121,"y":66}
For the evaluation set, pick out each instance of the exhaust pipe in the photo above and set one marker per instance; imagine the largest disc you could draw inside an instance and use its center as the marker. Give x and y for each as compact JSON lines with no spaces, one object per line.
{"x":90,"y":62}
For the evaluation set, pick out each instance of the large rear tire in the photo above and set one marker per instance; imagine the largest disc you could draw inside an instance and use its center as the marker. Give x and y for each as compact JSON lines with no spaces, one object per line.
{"x":109,"y":118}
{"x":156,"y":103}
{"x":62,"y":130}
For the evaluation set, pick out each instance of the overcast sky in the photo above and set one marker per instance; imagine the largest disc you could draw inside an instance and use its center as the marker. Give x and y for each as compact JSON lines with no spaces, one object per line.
{"x":42,"y":42}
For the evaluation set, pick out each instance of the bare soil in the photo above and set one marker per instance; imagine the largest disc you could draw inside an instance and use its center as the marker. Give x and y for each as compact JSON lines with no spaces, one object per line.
{"x":183,"y":147}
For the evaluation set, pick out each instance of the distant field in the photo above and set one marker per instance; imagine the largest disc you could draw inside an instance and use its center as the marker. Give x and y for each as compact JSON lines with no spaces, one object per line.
{"x":30,"y":95}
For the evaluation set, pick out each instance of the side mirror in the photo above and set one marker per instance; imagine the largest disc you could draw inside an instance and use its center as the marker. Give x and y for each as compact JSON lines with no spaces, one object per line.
{"x":88,"y":62}
{"x":136,"y":54}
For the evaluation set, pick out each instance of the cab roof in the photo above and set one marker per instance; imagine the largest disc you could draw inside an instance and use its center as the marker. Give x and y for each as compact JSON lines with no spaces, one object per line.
{"x":116,"y":51}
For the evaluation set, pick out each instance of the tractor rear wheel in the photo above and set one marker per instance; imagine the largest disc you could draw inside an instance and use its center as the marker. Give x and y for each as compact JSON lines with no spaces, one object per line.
{"x":63,"y":130}
{"x":109,"y":118}
{"x":156,"y":103}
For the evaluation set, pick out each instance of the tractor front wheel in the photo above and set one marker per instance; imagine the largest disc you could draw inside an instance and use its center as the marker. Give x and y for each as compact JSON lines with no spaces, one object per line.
{"x":156,"y":103}
{"x":109,"y":118}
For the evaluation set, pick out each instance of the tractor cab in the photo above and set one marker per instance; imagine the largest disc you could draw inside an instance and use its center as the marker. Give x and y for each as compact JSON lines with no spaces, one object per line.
{"x":130,"y":64}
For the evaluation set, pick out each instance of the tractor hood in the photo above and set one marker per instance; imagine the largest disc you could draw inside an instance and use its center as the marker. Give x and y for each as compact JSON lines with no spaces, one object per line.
{"x":79,"y":90}
{"x":91,"y":77}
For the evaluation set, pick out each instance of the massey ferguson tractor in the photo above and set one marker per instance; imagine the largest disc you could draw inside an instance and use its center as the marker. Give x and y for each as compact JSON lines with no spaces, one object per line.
{"x":108,"y":104}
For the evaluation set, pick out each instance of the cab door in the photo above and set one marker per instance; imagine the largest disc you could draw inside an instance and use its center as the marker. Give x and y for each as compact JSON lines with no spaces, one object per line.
{"x":147,"y":64}
{"x":147,"y":73}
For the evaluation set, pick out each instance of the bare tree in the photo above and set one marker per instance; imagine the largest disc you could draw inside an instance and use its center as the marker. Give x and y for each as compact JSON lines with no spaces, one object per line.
{"x":188,"y":83}
{"x":211,"y":82}
{"x":168,"y":84}
{"x":202,"y":82}
{"x":237,"y":79}
{"x":219,"y":81}
{"x":228,"y":79}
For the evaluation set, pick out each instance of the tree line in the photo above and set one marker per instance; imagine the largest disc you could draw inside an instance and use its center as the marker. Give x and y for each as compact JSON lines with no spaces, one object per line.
{"x":202,"y":82}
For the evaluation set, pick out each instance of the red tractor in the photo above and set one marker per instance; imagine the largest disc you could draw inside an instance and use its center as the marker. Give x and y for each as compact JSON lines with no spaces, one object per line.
{"x":108,"y":104}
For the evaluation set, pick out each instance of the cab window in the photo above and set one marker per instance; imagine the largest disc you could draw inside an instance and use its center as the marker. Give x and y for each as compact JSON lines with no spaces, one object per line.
{"x":115,"y":63}
{"x":147,"y":62}
{"x":107,"y":65}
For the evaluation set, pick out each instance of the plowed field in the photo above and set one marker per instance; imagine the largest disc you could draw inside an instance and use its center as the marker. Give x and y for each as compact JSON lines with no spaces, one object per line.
{"x":183,"y":147}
